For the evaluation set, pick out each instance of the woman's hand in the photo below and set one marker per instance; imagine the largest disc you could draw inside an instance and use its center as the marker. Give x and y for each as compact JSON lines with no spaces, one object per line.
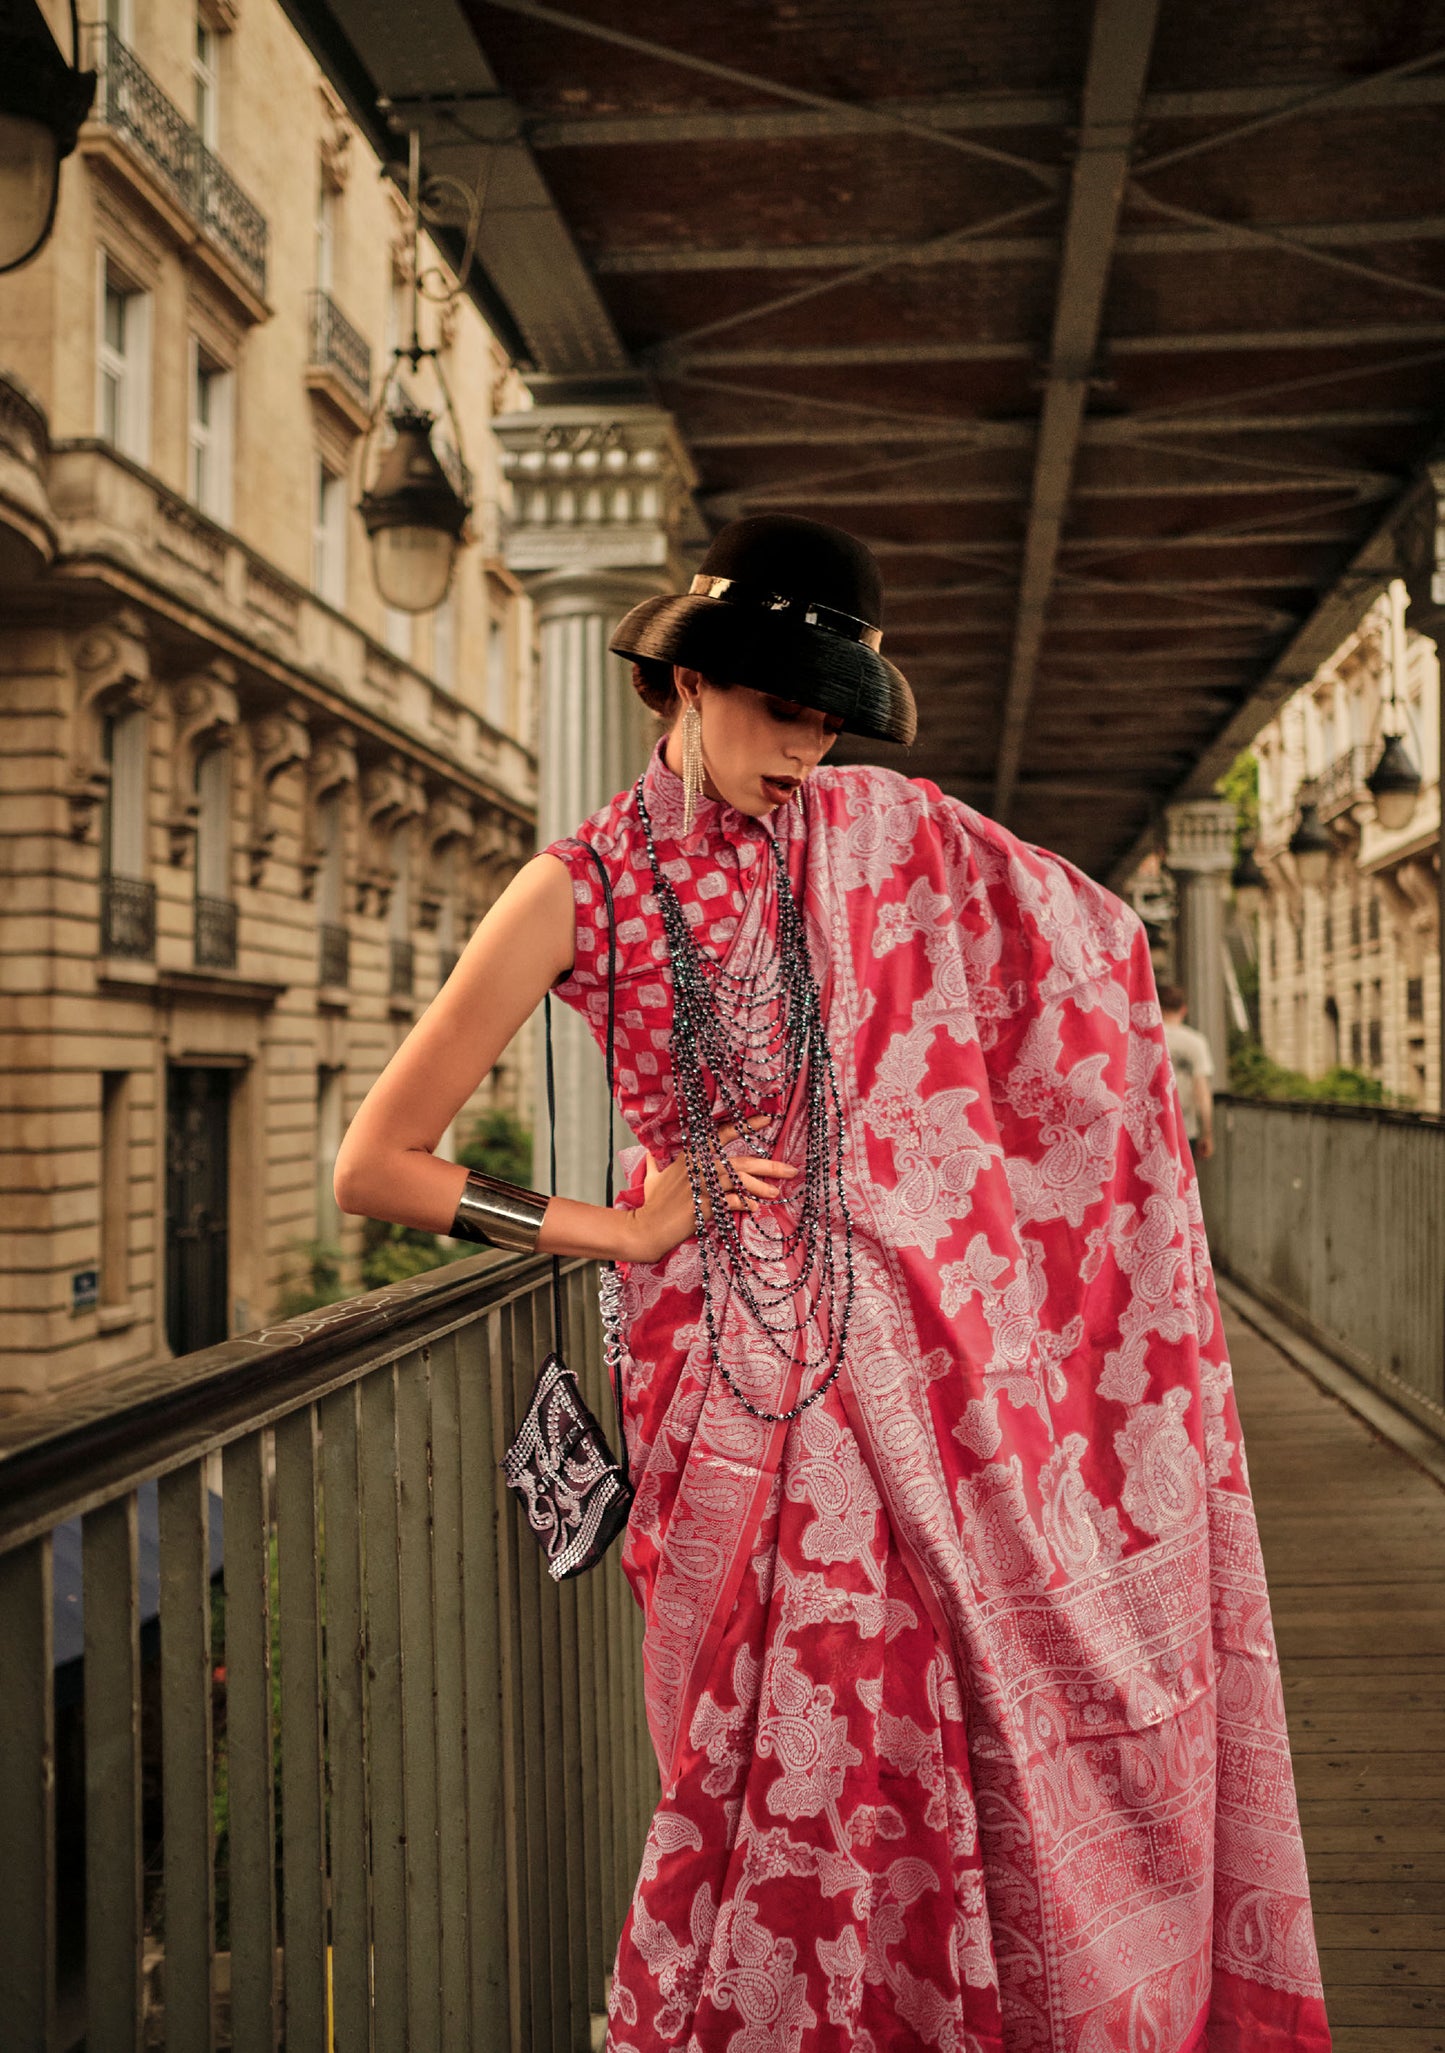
{"x":666,"y":1217}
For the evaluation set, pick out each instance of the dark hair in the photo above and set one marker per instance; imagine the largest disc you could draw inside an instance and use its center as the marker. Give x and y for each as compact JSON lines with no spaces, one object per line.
{"x":1173,"y":998}
{"x":653,"y":681}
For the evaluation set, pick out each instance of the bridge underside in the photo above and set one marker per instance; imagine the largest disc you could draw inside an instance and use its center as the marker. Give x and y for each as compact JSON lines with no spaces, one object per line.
{"x":1118,"y":333}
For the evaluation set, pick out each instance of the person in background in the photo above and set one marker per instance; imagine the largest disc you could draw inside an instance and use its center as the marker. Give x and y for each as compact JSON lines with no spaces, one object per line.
{"x":1193,"y":1068}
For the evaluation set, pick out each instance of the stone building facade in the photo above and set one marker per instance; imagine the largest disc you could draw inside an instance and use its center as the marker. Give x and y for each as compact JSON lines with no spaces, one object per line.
{"x":1349,"y":972}
{"x":247,"y":819}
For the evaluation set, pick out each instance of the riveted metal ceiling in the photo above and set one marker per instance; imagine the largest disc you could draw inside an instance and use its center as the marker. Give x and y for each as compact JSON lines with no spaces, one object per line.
{"x":1118,"y":333}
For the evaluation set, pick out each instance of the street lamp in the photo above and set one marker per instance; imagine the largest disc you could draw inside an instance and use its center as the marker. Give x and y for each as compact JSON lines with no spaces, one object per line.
{"x":43,"y":101}
{"x":1311,"y":845}
{"x":1248,"y":883}
{"x":1394,"y":784}
{"x":413,"y":514}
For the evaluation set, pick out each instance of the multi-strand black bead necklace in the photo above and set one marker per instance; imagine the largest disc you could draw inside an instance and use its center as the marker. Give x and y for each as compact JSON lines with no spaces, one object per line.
{"x":740,"y":1039}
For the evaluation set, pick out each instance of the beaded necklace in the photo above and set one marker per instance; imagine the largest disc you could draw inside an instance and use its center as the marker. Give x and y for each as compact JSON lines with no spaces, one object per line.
{"x":753,"y":1033}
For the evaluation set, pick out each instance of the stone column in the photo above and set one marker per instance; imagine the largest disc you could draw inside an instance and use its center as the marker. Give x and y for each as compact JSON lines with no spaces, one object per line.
{"x":1422,"y":554}
{"x":600,"y":497}
{"x":1201,"y":856}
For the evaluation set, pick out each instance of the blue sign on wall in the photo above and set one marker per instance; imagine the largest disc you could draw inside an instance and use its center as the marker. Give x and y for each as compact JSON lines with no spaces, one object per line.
{"x":85,"y":1290}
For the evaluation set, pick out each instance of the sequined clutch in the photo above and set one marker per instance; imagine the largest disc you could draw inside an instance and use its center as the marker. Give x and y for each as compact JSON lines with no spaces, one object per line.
{"x":574,"y":1495}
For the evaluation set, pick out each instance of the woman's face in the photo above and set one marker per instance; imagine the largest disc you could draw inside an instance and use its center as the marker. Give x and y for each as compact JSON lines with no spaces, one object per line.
{"x":756,"y":750}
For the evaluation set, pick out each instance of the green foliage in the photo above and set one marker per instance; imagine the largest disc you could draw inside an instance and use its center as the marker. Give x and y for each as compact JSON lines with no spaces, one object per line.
{"x":499,"y":1145}
{"x":318,"y":1282}
{"x":1240,"y":785}
{"x":395,"y":1252}
{"x":1252,"y":1074}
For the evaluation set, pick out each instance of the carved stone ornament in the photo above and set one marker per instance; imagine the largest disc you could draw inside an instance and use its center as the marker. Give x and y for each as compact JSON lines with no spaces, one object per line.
{"x":448,"y":821}
{"x":206,"y":717}
{"x":336,"y":136}
{"x":280,"y":741}
{"x":112,"y":675}
{"x":392,"y":794}
{"x":330,"y":768}
{"x":499,"y":848}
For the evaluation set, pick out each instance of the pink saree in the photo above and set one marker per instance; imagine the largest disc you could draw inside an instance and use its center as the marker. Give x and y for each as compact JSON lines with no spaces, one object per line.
{"x":962,"y":1686}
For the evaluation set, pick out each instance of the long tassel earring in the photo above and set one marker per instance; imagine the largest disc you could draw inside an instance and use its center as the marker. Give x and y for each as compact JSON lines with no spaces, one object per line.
{"x":692,"y":774}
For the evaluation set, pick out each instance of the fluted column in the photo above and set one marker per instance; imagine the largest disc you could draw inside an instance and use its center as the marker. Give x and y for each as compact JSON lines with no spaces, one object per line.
{"x":599,"y":500}
{"x":1201,"y":856}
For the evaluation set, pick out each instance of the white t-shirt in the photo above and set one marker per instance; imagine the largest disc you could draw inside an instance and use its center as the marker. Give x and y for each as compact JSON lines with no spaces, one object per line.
{"x":1189,"y":1053}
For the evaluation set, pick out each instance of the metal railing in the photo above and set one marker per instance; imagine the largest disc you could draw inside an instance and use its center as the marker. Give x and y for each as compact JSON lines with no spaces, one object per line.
{"x":215,"y":932}
{"x":458,"y":1745}
{"x":333,"y":955}
{"x":337,"y":346}
{"x":1334,"y":1217}
{"x":403,"y":969}
{"x":129,"y":101}
{"x":1343,"y":780}
{"x":128,"y":917}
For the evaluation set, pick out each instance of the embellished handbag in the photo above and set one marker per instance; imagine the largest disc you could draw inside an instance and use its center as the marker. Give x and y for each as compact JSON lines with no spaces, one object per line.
{"x":573,"y":1494}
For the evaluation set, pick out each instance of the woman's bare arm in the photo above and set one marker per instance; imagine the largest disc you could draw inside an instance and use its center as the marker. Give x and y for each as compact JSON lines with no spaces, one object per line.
{"x":386,"y":1169}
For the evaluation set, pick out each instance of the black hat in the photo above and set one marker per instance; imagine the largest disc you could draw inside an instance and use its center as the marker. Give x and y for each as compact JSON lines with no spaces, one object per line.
{"x":789,"y":607}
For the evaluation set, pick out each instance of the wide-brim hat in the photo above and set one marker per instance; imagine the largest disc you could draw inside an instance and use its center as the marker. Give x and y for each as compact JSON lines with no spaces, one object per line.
{"x":787,"y":606}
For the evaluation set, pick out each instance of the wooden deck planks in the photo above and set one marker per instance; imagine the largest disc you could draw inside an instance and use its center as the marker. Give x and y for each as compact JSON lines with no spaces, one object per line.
{"x":1354,"y":1544}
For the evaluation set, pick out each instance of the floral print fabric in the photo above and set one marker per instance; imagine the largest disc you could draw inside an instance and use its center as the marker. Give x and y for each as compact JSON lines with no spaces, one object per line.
{"x":962,"y":1684}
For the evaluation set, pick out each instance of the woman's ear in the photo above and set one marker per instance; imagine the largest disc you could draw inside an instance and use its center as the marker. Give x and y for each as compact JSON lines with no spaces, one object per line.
{"x":687,"y":684}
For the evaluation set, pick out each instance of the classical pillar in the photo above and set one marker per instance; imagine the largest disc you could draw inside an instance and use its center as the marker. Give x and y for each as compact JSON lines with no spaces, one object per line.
{"x":1422,"y":552}
{"x":600,"y":496}
{"x":1201,"y":856}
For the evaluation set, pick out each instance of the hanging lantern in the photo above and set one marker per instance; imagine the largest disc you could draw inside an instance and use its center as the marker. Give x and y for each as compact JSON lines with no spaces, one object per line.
{"x":1311,"y":845}
{"x":1394,"y":785}
{"x":42,"y":104}
{"x":1249,"y":883}
{"x":414,"y":516}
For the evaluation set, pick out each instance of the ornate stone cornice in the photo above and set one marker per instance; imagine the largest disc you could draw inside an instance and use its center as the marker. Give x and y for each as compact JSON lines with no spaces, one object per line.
{"x":594,"y":488}
{"x":1201,"y":836}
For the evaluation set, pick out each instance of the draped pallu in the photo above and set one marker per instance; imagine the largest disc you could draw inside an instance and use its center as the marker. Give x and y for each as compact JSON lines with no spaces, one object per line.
{"x":962,"y":1685}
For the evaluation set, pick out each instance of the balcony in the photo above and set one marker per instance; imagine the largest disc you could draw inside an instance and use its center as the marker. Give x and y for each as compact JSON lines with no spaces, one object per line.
{"x":338,"y":364}
{"x":458,"y":1744}
{"x":403,"y":969}
{"x":183,"y":181}
{"x":1343,"y":782}
{"x":333,"y":957}
{"x":215,"y":933}
{"x":128,"y":918}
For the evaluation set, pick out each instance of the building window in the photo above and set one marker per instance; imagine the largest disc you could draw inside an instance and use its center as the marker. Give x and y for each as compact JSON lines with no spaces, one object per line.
{"x":1299,"y":944}
{"x":330,"y":1124}
{"x":497,"y":674}
{"x":215,"y":908}
{"x":1329,"y":930}
{"x":1373,"y":919}
{"x":123,"y":365}
{"x":1415,"y":998}
{"x":1355,"y":923}
{"x":127,"y":897}
{"x":1376,"y":1050}
{"x":444,"y":642}
{"x":328,"y":538}
{"x":115,"y":1187}
{"x":212,"y":389}
{"x":325,"y":232}
{"x":205,"y":72}
{"x":1356,"y":1045}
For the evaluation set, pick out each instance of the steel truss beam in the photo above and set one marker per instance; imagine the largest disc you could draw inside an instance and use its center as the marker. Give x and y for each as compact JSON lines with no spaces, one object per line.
{"x":848,"y":355}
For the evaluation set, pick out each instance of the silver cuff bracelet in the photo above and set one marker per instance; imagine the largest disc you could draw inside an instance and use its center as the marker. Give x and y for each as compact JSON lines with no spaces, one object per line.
{"x":497,"y":1214}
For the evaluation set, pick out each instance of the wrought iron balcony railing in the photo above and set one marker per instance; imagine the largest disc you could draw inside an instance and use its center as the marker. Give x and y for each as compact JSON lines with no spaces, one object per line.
{"x":334,"y":955}
{"x":128,"y":917}
{"x":462,"y":1761}
{"x":215,"y":933}
{"x":403,"y":969}
{"x":129,"y":101}
{"x":337,"y":346}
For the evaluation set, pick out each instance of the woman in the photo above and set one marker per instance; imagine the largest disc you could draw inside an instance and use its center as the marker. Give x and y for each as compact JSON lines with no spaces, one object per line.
{"x":958,"y":1660}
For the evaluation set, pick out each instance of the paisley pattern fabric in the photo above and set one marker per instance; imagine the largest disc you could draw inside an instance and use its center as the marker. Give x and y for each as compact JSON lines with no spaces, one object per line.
{"x":962,"y":1685}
